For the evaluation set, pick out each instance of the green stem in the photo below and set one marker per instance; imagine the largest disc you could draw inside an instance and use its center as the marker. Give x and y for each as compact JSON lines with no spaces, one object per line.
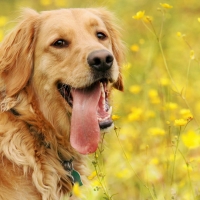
{"x":126,"y":157}
{"x":188,"y":70}
{"x":175,"y":154}
{"x":98,"y":172}
{"x":188,"y":173}
{"x":166,"y":66}
{"x":173,"y":82}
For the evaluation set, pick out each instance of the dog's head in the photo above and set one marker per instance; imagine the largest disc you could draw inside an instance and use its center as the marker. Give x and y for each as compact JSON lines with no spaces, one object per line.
{"x":71,"y":58}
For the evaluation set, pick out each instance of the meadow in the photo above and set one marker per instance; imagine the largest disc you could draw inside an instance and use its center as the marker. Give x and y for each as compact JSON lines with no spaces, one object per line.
{"x":153,"y":153}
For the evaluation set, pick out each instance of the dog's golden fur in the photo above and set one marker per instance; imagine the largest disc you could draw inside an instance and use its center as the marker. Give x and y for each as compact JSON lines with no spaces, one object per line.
{"x":34,"y":117}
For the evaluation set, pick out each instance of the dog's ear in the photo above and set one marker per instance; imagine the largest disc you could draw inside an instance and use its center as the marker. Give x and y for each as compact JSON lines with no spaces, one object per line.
{"x":117,"y":44}
{"x":16,"y":55}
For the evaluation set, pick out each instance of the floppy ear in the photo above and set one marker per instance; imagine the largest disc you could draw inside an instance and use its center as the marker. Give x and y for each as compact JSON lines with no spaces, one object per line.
{"x":16,"y":55}
{"x":117,"y":44}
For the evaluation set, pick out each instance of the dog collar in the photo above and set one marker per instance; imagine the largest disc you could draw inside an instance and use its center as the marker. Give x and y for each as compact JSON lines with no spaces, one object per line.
{"x":14,"y":112}
{"x":67,"y":164}
{"x":74,"y":175}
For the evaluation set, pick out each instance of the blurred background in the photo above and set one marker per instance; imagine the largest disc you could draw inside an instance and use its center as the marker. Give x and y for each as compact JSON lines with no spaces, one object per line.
{"x":153,"y":151}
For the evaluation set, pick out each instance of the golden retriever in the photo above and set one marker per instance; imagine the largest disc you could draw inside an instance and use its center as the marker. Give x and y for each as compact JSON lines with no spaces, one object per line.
{"x":57,"y":69}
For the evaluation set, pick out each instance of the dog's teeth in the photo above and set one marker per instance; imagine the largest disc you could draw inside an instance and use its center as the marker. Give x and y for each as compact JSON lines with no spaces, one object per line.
{"x":103,"y":119}
{"x":102,"y":90}
{"x":103,"y":95}
{"x":100,"y":119}
{"x":110,"y":110}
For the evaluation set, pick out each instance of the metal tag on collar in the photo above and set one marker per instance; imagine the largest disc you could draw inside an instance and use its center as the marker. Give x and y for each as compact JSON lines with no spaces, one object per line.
{"x":68,"y":166}
{"x":77,"y":177}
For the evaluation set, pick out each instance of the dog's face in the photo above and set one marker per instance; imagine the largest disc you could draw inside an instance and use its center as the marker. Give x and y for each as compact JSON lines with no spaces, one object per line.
{"x":76,"y":61}
{"x":65,"y":42}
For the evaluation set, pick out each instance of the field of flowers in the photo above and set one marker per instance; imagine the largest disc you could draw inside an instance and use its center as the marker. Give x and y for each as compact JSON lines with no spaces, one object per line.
{"x":154,"y":150}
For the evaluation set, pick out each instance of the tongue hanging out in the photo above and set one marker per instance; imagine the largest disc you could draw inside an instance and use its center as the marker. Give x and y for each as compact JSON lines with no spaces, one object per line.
{"x":90,"y":112}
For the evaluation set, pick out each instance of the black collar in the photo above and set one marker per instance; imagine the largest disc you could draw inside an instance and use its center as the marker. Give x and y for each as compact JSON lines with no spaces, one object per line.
{"x":14,"y":112}
{"x":67,"y":164}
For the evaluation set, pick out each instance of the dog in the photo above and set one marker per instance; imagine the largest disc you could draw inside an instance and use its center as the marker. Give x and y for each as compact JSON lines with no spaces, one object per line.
{"x":57,"y":69}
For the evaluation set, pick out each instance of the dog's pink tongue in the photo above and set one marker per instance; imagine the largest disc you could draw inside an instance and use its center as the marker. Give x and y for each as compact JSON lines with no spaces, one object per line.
{"x":85,"y":131}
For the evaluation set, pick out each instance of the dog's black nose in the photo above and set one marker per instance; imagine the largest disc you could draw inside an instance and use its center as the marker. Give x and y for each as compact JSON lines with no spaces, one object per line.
{"x":100,"y":60}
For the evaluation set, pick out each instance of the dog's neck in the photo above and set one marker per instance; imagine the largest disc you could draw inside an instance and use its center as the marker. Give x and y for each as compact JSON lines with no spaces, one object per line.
{"x":45,"y":135}
{"x":26,"y":110}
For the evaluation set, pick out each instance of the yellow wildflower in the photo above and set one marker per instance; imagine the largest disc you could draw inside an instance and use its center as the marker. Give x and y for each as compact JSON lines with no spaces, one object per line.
{"x":154,"y":161}
{"x":139,"y":15}
{"x":191,"y":139}
{"x":96,"y":155}
{"x":180,"y":122}
{"x":124,"y":173}
{"x":147,"y":19}
{"x":115,"y":117}
{"x":156,"y":131}
{"x":76,"y":190}
{"x":136,"y":114}
{"x":3,"y":20}
{"x":92,"y":175}
{"x":45,"y":2}
{"x":135,"y":89}
{"x":171,"y":106}
{"x":179,"y":34}
{"x":198,"y":19}
{"x":154,"y":97}
{"x":164,"y":81}
{"x":96,"y":183}
{"x":165,"y":5}
{"x":171,"y":156}
{"x":186,"y":114}
{"x":135,"y":48}
{"x":188,"y":167}
{"x":153,"y":93}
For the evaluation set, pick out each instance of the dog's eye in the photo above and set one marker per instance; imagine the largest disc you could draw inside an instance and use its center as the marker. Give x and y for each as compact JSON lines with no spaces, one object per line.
{"x":101,"y":36}
{"x":60,"y":43}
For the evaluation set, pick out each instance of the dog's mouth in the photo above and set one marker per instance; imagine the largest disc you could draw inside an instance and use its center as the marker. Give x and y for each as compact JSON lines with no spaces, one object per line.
{"x":90,"y":113}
